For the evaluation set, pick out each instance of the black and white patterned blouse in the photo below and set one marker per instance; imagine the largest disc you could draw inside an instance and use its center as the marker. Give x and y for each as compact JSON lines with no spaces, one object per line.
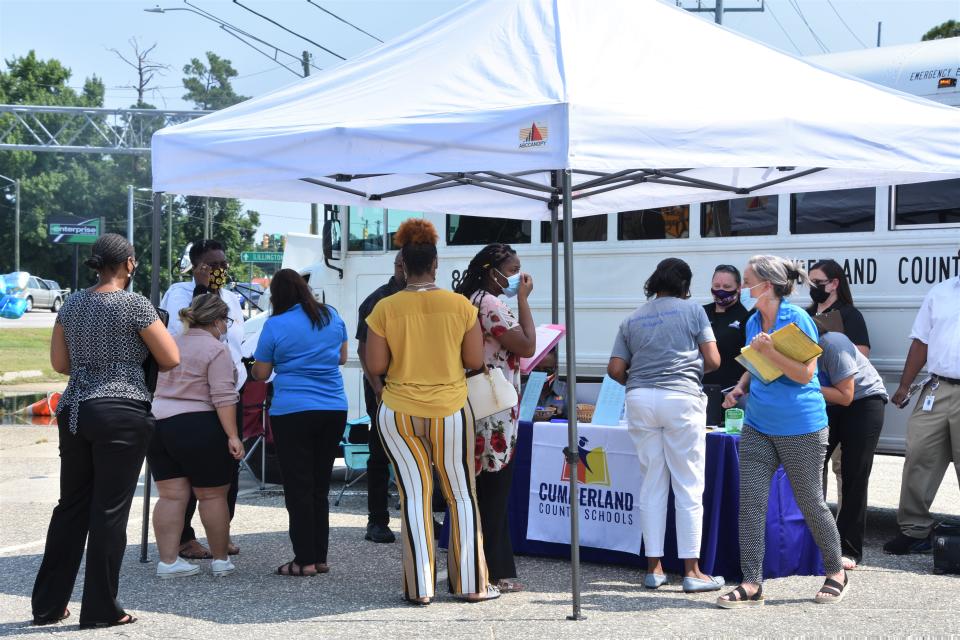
{"x":102,"y":331}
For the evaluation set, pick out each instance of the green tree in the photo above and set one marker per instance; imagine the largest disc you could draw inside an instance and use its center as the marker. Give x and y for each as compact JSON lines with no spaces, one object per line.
{"x":208,"y":85}
{"x":949,"y":29}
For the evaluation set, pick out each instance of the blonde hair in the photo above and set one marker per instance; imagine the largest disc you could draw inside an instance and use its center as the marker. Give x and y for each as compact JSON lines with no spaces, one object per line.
{"x":204,"y":311}
{"x":783,"y":274}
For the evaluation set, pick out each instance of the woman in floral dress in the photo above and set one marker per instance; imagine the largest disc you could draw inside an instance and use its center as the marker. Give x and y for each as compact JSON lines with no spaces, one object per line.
{"x":507,"y":337}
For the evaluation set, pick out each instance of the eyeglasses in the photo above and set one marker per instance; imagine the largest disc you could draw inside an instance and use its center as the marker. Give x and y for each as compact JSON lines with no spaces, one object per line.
{"x":228,"y":321}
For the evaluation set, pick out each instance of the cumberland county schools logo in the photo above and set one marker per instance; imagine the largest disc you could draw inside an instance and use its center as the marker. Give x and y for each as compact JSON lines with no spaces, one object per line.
{"x":533,"y":136}
{"x":592,"y":468}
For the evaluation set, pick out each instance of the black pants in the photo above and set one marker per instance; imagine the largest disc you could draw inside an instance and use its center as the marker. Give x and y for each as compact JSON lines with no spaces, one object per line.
{"x":493,"y":494}
{"x":188,"y":533}
{"x":99,"y":467}
{"x":307,"y":444}
{"x":378,"y":466}
{"x":856,"y":429}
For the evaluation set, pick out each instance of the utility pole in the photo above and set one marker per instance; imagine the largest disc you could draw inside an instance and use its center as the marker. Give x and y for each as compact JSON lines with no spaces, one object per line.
{"x":718,"y":10}
{"x":130,"y":213}
{"x":206,"y":218}
{"x":314,"y":209}
{"x":170,"y":236}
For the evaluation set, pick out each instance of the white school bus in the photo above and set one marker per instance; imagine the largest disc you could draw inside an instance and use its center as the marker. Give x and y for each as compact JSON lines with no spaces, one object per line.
{"x":895,"y":243}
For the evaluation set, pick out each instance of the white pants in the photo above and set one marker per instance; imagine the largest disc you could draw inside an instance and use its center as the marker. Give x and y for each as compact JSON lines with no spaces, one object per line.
{"x":668,"y":429}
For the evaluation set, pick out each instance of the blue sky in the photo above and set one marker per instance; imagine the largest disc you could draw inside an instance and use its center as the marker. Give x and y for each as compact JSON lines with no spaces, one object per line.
{"x":80,"y":33}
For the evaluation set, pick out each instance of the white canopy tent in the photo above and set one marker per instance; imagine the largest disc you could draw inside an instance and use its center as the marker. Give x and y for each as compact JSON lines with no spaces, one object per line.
{"x":519,"y":108}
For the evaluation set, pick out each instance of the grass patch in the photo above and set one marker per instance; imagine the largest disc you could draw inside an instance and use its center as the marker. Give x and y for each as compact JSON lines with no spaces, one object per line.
{"x":27,"y":349}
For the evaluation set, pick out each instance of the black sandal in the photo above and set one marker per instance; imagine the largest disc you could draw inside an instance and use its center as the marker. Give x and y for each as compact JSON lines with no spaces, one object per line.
{"x":420,"y":602}
{"x":40,"y":622}
{"x":127,"y":619}
{"x":832,"y":591}
{"x":299,"y":573}
{"x":739,"y":598}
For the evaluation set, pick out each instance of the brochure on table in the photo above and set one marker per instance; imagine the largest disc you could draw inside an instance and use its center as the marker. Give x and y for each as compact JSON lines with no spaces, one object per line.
{"x":531,"y":394}
{"x":609,"y":488}
{"x":609,"y":407}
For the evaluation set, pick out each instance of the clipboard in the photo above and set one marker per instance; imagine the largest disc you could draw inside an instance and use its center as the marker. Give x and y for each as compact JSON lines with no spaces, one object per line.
{"x":548,"y":335}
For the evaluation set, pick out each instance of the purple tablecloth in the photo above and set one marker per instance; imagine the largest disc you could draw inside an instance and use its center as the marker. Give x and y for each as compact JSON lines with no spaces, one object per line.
{"x":790,"y":549}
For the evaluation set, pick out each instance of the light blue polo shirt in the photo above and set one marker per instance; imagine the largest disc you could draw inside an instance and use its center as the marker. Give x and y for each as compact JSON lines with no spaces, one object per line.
{"x":783,"y":407}
{"x":306,"y":361}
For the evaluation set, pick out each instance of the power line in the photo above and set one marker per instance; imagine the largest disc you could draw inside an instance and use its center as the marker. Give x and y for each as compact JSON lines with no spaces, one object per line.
{"x":327,"y":11}
{"x":291,"y":31}
{"x":844,"y":22}
{"x":796,"y":7}
{"x":780,"y":24}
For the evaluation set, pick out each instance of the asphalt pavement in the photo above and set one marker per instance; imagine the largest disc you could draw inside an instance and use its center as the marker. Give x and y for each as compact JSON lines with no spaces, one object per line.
{"x":360,"y":598}
{"x":37,"y":319}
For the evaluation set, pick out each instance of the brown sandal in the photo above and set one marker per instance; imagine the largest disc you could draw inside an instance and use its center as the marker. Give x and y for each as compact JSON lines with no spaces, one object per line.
{"x":508,"y":585}
{"x":739,"y":598}
{"x":832,"y":591}
{"x":193,"y":550}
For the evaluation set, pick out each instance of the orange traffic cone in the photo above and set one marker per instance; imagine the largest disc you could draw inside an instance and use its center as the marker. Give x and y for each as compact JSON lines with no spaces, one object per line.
{"x":45,"y":407}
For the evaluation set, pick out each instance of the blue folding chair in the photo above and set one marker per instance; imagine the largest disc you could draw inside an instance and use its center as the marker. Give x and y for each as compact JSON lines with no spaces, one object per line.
{"x":355,"y":456}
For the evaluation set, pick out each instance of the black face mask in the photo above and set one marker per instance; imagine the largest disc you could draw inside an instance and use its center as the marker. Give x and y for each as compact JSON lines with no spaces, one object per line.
{"x":818,"y":294}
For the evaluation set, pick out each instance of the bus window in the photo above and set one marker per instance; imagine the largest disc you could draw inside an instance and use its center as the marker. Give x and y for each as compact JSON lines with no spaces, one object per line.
{"x":928,"y":203}
{"x":365,"y":229}
{"x":465,"y":230}
{"x":585,"y":229}
{"x":394,"y":218}
{"x":840,"y":211}
{"x":754,"y":216}
{"x":654,"y":224}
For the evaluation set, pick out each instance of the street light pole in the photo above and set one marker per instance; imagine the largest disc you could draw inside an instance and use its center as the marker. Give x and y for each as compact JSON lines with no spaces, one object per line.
{"x":16,"y":221}
{"x":314,"y":209}
{"x":130,"y":213}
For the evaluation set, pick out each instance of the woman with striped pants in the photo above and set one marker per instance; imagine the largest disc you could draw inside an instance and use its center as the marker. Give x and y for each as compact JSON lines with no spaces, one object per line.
{"x":422,"y":338}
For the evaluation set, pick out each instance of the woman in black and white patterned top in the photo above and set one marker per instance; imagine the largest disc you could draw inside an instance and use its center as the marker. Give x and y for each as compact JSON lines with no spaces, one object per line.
{"x":101,"y":338}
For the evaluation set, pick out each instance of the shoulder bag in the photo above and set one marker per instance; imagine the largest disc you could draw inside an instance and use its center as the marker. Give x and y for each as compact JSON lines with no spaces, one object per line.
{"x":488,"y":392}
{"x":151,"y":370}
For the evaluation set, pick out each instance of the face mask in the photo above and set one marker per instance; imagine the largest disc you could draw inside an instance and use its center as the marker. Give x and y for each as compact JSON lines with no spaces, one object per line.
{"x":746,"y":295}
{"x":218,"y":278}
{"x":513,"y":284}
{"x":819,"y":294}
{"x":723,"y":297}
{"x":221,"y":335}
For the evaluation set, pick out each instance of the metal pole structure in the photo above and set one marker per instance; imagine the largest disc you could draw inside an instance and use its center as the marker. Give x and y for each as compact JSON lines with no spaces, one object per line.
{"x":879,"y":31}
{"x":554,"y":255}
{"x":130,"y":213}
{"x":572,"y":455}
{"x":314,"y":209}
{"x":718,"y":14}
{"x":16,"y":226}
{"x":155,"y":299}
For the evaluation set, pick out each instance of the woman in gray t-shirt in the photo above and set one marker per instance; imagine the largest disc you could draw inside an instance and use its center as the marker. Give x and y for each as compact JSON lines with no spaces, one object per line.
{"x":660,"y":354}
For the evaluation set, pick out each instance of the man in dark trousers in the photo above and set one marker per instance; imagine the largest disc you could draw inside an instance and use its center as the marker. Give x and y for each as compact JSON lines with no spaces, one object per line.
{"x":378,"y":476}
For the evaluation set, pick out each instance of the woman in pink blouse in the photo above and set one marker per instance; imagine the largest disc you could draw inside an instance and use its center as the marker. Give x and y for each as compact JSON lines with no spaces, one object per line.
{"x":492,"y":273}
{"x":195,"y":446}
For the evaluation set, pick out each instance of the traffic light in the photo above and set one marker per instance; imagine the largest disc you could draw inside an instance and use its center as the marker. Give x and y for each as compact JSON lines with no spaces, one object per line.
{"x":266,"y":241}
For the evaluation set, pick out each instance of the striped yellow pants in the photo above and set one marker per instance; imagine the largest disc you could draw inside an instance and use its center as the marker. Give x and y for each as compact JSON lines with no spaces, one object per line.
{"x":416,"y":445}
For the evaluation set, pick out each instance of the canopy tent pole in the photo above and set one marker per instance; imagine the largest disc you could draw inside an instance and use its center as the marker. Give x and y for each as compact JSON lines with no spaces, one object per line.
{"x":555,"y":180}
{"x":571,"y":452}
{"x":155,"y":300}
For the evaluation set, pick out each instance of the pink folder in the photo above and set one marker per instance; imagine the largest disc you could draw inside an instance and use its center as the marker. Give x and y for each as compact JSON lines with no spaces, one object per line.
{"x":548,"y":335}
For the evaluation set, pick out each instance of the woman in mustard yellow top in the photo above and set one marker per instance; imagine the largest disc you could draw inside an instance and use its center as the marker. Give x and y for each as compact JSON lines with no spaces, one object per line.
{"x":422,"y":338}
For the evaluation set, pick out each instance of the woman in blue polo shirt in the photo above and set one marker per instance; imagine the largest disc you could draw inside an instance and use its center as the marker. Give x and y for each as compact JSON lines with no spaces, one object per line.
{"x":305,"y":342}
{"x":785,"y":424}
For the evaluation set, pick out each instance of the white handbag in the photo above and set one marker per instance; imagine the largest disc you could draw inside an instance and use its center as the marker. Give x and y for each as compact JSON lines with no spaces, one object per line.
{"x":488,"y":392}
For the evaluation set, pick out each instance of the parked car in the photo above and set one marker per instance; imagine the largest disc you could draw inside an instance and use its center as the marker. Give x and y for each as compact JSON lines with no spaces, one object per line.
{"x":55,"y":286}
{"x":41,"y":294}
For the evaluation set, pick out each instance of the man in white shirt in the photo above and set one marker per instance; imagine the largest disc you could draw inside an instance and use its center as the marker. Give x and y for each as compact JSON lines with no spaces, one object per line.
{"x":207,"y":257}
{"x":933,"y":433}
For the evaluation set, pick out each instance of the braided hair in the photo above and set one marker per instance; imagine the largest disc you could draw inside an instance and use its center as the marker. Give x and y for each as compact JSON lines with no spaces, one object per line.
{"x":109,"y":252}
{"x":490,"y":257}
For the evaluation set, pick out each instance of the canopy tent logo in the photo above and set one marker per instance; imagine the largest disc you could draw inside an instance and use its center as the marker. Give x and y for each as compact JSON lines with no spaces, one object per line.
{"x":593,"y":467}
{"x":533,"y":136}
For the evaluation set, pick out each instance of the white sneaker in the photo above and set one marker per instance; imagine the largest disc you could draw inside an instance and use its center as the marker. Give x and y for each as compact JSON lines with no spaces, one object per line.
{"x":179,"y":568}
{"x":222,"y":568}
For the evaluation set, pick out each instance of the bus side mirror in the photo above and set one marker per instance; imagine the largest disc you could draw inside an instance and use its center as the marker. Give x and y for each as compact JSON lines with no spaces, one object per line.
{"x":331,"y":243}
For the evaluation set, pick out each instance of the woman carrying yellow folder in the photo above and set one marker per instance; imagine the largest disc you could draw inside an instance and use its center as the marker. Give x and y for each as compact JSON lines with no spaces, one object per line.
{"x":785,"y":424}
